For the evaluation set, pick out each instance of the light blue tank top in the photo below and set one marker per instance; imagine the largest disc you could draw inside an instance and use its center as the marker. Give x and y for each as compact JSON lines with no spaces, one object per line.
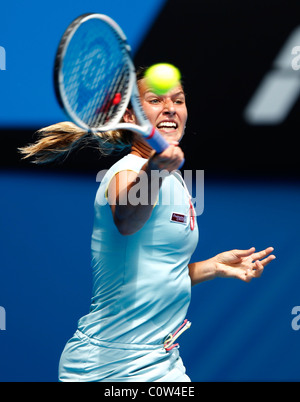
{"x":141,"y":283}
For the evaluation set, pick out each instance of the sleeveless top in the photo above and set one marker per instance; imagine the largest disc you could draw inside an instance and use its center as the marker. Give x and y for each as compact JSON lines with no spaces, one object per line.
{"x":141,"y":284}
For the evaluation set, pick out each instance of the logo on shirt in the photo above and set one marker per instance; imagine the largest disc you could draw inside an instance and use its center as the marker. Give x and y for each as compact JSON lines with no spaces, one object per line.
{"x":178,"y":218}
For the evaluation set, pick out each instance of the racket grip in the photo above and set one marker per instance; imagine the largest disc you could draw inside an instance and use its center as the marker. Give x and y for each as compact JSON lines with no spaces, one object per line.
{"x":182,"y":163}
{"x":157,"y":142}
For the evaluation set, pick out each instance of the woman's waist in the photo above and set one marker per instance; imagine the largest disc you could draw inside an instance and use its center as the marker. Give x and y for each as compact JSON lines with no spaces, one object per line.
{"x":162,"y":340}
{"x":145,"y":326}
{"x":114,"y":344}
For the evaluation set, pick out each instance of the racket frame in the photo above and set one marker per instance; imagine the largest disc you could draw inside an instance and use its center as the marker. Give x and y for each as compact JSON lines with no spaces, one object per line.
{"x":144,"y":127}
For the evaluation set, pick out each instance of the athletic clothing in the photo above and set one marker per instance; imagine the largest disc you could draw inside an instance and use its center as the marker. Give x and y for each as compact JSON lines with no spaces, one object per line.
{"x":141,"y":290}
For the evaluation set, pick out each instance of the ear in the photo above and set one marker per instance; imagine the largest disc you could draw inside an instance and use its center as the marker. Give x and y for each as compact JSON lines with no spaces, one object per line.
{"x":129,"y":116}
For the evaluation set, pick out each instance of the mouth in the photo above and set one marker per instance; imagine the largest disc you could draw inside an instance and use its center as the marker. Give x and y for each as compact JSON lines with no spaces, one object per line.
{"x":167,"y":126}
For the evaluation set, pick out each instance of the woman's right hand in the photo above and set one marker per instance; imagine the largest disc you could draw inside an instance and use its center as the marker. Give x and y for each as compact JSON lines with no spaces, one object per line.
{"x":170,"y":159}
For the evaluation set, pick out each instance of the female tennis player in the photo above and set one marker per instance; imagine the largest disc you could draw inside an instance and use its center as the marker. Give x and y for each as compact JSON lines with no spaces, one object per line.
{"x":141,"y":252}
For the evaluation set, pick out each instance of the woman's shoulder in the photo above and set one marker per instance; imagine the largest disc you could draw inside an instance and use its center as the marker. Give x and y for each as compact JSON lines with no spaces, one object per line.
{"x":128,"y":162}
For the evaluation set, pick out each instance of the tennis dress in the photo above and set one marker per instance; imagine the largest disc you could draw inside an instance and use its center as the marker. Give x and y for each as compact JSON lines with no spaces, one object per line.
{"x":141,"y":290}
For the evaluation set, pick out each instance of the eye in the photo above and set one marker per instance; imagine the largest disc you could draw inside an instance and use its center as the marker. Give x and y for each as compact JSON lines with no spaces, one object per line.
{"x":179,"y":101}
{"x":154,"y":101}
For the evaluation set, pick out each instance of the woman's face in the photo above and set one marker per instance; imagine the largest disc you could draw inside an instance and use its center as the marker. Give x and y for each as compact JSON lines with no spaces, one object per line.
{"x":167,"y":113}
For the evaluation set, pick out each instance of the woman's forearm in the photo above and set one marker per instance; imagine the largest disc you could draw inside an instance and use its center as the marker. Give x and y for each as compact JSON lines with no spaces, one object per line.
{"x":240,"y":264}
{"x":202,"y":271}
{"x":131,"y":210}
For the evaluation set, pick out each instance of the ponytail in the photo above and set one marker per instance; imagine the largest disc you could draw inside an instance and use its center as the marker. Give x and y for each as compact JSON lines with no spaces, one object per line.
{"x":58,"y":140}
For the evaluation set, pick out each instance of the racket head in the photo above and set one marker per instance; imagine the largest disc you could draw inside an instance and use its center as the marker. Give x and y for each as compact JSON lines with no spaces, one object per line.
{"x":93,"y":72}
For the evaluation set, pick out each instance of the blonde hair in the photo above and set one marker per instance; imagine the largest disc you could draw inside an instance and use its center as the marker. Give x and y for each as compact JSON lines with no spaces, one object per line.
{"x":58,"y":140}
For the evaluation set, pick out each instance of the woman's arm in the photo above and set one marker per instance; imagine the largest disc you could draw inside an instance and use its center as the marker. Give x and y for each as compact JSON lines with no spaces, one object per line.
{"x":241,"y":264}
{"x":129,"y":217}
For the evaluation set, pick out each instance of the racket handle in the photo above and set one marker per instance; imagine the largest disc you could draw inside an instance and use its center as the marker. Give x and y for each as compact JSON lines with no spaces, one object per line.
{"x":182,"y":163}
{"x":157,"y":142}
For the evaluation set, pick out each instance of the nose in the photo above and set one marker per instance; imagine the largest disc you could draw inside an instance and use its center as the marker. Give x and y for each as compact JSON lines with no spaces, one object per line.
{"x":169,"y":107}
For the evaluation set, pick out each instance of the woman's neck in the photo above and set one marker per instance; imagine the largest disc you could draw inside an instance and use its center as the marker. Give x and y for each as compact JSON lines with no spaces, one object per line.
{"x":141,"y":148}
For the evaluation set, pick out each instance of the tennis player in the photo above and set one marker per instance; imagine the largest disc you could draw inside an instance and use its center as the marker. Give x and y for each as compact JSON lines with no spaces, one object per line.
{"x":142,"y":275}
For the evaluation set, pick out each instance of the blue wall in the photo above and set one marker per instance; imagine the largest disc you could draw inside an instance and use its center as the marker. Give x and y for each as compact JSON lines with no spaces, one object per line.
{"x":27,"y":97}
{"x":239,"y":331}
{"x":242,"y":332}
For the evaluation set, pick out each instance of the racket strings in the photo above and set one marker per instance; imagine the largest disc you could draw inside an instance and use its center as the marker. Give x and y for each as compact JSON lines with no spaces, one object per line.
{"x":110,"y":101}
{"x":96,"y":75}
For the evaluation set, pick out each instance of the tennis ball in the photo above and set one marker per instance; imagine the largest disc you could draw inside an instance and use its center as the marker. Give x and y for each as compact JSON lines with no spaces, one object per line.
{"x":162,"y":77}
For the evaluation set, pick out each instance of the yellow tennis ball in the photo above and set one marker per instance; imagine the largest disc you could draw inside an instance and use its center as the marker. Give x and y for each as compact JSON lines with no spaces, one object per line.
{"x":162,"y":77}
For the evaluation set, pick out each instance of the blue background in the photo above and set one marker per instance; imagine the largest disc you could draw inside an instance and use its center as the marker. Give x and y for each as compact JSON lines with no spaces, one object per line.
{"x":240,"y":332}
{"x":30,"y":32}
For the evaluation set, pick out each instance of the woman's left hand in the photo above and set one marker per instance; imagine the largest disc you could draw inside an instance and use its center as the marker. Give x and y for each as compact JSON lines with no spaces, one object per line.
{"x":243,"y":264}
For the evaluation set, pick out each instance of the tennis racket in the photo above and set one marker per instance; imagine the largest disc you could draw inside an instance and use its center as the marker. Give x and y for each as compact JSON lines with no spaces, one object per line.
{"x":95,"y":79}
